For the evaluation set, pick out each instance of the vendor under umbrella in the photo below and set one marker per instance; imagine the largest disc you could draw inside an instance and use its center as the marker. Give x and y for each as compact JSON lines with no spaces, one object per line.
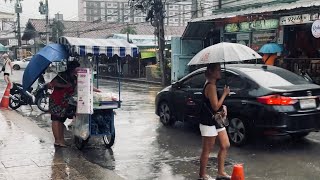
{"x":269,"y":52}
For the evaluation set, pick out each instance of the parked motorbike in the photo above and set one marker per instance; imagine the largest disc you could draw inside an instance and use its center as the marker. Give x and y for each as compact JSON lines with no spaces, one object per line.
{"x":39,"y":97}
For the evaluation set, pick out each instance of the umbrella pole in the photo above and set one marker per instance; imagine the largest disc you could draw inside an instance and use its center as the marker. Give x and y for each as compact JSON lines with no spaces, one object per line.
{"x":225,"y":73}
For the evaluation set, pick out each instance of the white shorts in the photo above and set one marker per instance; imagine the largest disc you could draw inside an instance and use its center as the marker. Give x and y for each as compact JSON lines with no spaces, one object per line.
{"x":210,"y":131}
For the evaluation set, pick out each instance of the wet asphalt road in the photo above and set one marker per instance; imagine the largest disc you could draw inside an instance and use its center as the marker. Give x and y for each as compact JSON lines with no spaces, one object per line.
{"x":144,"y":149}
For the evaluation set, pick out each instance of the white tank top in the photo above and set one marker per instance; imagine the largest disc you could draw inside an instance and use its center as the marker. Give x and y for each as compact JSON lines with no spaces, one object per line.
{"x":8,"y":67}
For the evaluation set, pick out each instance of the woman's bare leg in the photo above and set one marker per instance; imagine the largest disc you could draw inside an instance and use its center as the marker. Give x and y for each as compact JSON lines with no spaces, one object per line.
{"x":56,"y":131}
{"x":222,"y":154}
{"x":207,"y":146}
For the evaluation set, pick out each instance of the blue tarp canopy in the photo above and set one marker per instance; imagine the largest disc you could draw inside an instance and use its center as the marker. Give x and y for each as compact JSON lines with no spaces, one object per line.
{"x":96,"y":47}
{"x":40,"y":62}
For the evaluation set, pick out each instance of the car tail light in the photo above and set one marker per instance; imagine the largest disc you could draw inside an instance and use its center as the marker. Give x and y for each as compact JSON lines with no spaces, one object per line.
{"x":276,"y":100}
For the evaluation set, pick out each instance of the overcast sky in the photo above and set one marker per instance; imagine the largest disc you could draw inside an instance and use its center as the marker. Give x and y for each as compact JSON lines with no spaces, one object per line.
{"x":69,"y":9}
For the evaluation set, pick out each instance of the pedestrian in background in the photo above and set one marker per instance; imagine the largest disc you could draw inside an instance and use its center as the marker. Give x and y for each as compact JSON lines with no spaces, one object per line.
{"x":7,"y":68}
{"x":209,"y":127}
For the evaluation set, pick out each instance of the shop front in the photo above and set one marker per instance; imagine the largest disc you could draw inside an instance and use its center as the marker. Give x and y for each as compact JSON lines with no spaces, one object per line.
{"x":301,"y":47}
{"x":252,"y":33}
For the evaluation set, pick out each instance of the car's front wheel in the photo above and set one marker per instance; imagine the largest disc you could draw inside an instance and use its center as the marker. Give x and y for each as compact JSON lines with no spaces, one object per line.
{"x":238,"y":131}
{"x":165,"y":114}
{"x":16,"y":67}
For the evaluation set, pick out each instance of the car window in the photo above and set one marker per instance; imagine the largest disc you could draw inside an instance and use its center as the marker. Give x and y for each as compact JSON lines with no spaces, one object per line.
{"x":234,"y":81}
{"x":274,"y":77}
{"x":196,"y":81}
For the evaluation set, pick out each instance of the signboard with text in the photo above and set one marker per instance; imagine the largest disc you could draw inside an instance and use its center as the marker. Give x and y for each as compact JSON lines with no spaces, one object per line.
{"x":85,"y":91}
{"x":298,"y":19}
{"x":254,"y":25}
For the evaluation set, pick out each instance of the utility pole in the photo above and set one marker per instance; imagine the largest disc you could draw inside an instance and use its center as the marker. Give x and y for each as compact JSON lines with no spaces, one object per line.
{"x":194,"y":9}
{"x":155,"y":13}
{"x":44,"y":9}
{"x":47,"y":22}
{"x":161,"y":39}
{"x":18,"y":10}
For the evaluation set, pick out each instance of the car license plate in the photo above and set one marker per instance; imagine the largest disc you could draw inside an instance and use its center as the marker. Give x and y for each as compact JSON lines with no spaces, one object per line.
{"x":307,"y":103}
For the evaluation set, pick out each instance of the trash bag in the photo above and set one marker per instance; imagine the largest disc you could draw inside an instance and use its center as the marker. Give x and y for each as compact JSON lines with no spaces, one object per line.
{"x":81,"y":127}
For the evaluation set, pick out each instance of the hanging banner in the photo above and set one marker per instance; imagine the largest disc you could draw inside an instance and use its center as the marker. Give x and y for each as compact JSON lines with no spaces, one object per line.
{"x":315,"y":29}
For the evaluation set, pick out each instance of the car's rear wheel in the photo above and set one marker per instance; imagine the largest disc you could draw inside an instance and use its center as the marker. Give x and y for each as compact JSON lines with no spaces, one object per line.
{"x":16,"y":67}
{"x":238,"y":131}
{"x":299,"y":135}
{"x":165,"y":114}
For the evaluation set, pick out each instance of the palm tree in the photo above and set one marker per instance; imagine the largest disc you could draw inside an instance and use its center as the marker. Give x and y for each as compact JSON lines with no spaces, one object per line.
{"x":128,"y":30}
{"x":57,"y":30}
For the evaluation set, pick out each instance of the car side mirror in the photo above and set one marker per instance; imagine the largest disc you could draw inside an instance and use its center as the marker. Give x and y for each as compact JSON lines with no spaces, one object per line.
{"x":175,"y":85}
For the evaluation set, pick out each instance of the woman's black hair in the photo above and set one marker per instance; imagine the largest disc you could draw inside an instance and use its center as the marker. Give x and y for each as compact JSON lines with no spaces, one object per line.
{"x":210,"y":68}
{"x":72,"y":65}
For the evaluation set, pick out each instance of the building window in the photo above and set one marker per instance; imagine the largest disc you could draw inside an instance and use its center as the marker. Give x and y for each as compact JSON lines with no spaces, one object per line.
{"x":109,"y":5}
{"x":176,"y":7}
{"x":170,"y":7}
{"x":110,"y":11}
{"x":115,"y":5}
{"x":171,"y":13}
{"x":176,"y":20}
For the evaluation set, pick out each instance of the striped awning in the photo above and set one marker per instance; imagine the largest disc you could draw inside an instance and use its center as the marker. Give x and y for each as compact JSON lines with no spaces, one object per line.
{"x":108,"y":47}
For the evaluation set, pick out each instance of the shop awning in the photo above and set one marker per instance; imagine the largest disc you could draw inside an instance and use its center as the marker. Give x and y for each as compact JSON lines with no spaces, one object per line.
{"x":108,"y":47}
{"x":197,"y":30}
{"x":267,"y":8}
{"x":199,"y":27}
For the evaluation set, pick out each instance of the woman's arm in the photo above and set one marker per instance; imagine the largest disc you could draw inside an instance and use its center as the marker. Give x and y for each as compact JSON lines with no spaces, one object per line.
{"x":55,"y":83}
{"x":96,"y":89}
{"x":10,"y":64}
{"x":211,"y":94}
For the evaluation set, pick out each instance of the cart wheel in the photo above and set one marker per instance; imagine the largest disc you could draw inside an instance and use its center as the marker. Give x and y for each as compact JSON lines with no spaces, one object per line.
{"x":109,"y":140}
{"x":80,"y":143}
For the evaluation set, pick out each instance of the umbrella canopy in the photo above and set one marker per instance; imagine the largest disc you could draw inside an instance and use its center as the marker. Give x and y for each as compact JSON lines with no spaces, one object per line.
{"x":3,"y":48}
{"x":224,"y":52}
{"x":40,"y":62}
{"x":270,"y":48}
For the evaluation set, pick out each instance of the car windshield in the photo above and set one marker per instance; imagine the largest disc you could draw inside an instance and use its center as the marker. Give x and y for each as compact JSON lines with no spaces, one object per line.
{"x":274,"y":77}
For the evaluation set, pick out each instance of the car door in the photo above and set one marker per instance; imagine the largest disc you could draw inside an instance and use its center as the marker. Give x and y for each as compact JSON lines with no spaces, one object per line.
{"x":188,"y":96}
{"x":25,"y":62}
{"x":237,"y":85}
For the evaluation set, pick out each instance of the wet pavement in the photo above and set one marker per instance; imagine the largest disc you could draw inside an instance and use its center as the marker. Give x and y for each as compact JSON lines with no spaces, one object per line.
{"x":144,"y":149}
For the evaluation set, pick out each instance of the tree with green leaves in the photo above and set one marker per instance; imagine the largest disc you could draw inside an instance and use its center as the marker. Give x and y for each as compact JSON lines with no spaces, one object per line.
{"x":128,"y":30}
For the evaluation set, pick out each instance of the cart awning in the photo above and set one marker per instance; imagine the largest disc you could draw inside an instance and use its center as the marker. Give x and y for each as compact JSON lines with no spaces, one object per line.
{"x":108,"y":47}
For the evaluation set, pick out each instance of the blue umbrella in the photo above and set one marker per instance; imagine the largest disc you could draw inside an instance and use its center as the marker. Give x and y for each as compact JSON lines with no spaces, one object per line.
{"x":40,"y":62}
{"x":270,"y":48}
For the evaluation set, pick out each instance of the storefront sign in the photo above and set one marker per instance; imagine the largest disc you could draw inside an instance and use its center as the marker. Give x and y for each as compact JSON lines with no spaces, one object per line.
{"x":261,"y":38}
{"x":265,"y":24}
{"x":243,"y":36}
{"x":316,"y":29}
{"x":256,"y":25}
{"x":298,"y":19}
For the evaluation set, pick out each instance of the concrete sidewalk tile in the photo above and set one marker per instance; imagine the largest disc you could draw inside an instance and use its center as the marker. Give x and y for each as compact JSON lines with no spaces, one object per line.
{"x":17,"y":163}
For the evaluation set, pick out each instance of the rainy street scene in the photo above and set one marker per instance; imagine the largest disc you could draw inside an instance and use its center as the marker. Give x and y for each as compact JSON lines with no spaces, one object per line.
{"x":164,"y":90}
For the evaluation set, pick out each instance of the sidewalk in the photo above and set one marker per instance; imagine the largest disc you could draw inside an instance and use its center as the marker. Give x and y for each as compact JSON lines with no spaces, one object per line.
{"x":27,"y":152}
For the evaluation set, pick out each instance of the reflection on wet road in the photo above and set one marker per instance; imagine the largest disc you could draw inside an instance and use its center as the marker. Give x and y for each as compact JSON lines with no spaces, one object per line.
{"x":144,"y":149}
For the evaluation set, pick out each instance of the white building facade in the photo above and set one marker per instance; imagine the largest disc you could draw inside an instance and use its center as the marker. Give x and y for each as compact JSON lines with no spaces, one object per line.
{"x":177,"y":13}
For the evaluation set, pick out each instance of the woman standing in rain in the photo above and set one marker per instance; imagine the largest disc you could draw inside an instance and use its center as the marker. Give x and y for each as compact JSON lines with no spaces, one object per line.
{"x":8,"y":68}
{"x":209,"y":127}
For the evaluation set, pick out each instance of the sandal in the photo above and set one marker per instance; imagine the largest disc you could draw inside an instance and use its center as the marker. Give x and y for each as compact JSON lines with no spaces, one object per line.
{"x":206,"y":177}
{"x":223,"y":177}
{"x":60,"y":145}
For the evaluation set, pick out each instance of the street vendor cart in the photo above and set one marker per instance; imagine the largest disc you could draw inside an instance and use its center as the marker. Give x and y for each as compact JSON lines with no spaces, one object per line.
{"x":95,"y":116}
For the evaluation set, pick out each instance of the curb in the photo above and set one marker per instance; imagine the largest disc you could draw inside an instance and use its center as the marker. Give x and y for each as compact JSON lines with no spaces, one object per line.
{"x":132,"y":80}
